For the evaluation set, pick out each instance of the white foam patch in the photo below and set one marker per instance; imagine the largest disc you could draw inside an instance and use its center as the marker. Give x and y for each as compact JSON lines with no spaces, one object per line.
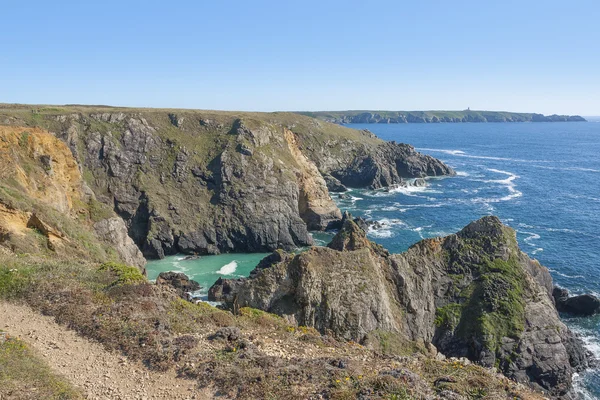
{"x":579,"y":388}
{"x":460,"y":153}
{"x":385,"y":230}
{"x":565,"y":275}
{"x":419,"y":230}
{"x":532,"y":236}
{"x":462,"y":173}
{"x":228,"y":269}
{"x":577,"y":169}
{"x":538,"y":250}
{"x":508,"y":182}
{"x":410,"y":190}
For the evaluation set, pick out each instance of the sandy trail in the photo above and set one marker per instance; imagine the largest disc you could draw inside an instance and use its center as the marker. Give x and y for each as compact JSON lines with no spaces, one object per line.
{"x":98,"y":373}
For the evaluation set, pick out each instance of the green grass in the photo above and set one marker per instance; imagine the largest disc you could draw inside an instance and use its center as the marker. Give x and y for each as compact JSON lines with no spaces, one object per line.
{"x":99,"y":211}
{"x":124,"y":274}
{"x":25,"y":375}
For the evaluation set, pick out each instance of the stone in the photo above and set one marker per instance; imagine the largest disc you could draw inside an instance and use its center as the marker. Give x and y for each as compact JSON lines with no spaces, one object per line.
{"x":179,"y":281}
{"x":584,"y":305}
{"x":228,"y":333}
{"x":114,"y":231}
{"x":333,"y":184}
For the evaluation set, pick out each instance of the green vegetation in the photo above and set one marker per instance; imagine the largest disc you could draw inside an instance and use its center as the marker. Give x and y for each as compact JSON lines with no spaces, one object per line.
{"x":24,"y":139}
{"x":392,"y":343}
{"x":24,"y":374}
{"x":99,"y":211}
{"x":448,"y":316}
{"x":125,"y":275}
{"x":492,"y":306}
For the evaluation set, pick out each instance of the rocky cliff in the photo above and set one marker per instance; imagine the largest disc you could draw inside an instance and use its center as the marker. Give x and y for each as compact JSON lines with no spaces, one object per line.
{"x":404,"y":117}
{"x":473,"y":294}
{"x":46,"y":207}
{"x":208,"y":182}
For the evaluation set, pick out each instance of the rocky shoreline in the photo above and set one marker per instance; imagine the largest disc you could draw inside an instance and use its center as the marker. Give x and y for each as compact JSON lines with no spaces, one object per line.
{"x":473,"y":295}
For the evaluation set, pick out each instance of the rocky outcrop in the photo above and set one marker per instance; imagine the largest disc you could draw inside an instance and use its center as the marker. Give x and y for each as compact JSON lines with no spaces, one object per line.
{"x":114,"y":231}
{"x":209,"y":182}
{"x":473,"y":295}
{"x":383,"y":165}
{"x":182,"y":284}
{"x":315,"y":205}
{"x":333,"y":184}
{"x":585,"y":304}
{"x":43,"y":195}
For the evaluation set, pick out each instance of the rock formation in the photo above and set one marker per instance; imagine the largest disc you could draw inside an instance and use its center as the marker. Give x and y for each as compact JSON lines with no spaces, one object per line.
{"x":473,"y":294}
{"x":585,"y":304}
{"x":43,"y":196}
{"x":210,"y":182}
{"x":179,"y":281}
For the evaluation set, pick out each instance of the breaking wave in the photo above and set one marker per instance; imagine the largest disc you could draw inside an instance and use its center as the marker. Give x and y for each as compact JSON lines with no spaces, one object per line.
{"x":228,"y":269}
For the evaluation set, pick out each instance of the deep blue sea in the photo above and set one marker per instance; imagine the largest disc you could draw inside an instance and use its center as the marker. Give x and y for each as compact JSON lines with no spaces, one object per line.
{"x":542,"y":179}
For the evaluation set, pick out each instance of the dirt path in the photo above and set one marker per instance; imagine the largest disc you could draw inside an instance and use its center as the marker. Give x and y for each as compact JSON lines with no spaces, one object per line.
{"x":98,"y":373}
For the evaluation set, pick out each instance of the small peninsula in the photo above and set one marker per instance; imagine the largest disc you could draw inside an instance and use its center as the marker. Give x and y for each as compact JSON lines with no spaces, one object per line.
{"x":404,"y":117}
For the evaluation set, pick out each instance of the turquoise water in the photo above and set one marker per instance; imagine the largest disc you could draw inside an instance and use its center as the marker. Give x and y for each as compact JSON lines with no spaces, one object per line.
{"x":207,"y":269}
{"x":540,"y":178}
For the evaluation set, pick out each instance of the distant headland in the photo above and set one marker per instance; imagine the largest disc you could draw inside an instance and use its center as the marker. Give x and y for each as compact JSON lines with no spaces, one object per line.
{"x":403,"y":117}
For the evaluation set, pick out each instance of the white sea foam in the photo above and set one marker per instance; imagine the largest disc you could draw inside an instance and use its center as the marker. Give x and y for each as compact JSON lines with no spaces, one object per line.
{"x":579,"y":169}
{"x":579,"y":388}
{"x":538,"y":250}
{"x":409,"y":190}
{"x":565,"y":275}
{"x":532,"y":236}
{"x":460,"y":153}
{"x":228,"y":269}
{"x":508,"y":182}
{"x":385,"y":228}
{"x":522,"y":225}
{"x":462,"y":173}
{"x":380,"y":233}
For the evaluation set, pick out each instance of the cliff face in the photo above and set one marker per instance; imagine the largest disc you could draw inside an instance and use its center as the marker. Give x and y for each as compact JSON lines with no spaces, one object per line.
{"x":210,"y":182}
{"x":473,"y":294}
{"x":403,"y":117}
{"x":45,"y":207}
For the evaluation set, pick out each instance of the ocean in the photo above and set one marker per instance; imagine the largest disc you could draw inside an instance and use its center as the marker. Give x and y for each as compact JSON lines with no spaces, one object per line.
{"x":542,"y":179}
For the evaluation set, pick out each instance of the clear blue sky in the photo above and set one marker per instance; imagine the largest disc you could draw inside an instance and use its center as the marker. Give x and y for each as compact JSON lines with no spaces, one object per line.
{"x":539,"y":56}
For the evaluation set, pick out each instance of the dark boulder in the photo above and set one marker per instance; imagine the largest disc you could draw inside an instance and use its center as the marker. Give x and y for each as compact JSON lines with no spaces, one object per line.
{"x":228,"y":333}
{"x":585,"y":304}
{"x":333,"y":184}
{"x":179,"y":281}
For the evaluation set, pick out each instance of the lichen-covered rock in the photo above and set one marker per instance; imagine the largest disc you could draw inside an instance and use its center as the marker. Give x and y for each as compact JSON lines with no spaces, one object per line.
{"x":472,"y":295}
